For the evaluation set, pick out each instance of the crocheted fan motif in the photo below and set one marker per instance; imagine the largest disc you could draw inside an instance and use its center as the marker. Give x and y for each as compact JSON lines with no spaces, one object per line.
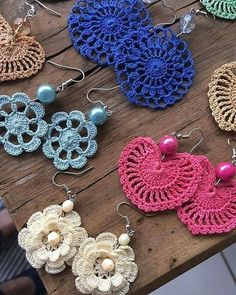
{"x":155,"y":69}
{"x":213,"y":207}
{"x":153,"y":183}
{"x":21,"y":124}
{"x":222,"y":94}
{"x":20,"y":56}
{"x":221,"y":8}
{"x":96,"y":27}
{"x":70,"y":140}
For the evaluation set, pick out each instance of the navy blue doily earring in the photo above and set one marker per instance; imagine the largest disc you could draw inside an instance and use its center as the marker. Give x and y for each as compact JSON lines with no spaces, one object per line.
{"x":96,"y":27}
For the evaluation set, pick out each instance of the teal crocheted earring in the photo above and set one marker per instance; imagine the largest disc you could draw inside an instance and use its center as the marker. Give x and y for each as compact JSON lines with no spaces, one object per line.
{"x":221,"y":8}
{"x":70,"y":139}
{"x":22,"y":126}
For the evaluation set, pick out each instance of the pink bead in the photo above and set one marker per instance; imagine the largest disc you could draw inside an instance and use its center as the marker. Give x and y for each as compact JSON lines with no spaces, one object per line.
{"x":225,"y":171}
{"x":168,"y":145}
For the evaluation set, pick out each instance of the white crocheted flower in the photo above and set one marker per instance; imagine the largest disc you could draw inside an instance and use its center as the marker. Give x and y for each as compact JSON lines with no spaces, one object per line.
{"x":52,"y":238}
{"x":104,"y":267}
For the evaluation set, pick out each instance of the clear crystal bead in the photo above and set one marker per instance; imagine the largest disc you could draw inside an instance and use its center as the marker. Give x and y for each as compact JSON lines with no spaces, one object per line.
{"x":21,"y":26}
{"x":187,"y":23}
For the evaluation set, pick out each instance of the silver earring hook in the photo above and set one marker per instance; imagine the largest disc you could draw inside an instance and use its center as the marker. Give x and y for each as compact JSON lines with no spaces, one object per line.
{"x":129,"y":229}
{"x":179,"y":136}
{"x":172,"y":10}
{"x":32,"y":8}
{"x":233,"y":150}
{"x":211,"y":17}
{"x":66,"y":188}
{"x":68,"y":83}
{"x":109,"y":111}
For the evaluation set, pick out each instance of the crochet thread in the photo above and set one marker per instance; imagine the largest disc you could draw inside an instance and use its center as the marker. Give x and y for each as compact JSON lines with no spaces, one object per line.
{"x":222,"y":93}
{"x":221,"y":8}
{"x":154,"y":70}
{"x":96,"y":27}
{"x":70,"y":140}
{"x":155,"y":184}
{"x":213,"y":208}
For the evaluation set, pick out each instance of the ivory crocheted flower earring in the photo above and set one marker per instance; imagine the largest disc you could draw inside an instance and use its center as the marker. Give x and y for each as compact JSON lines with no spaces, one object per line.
{"x":96,"y":27}
{"x":212,"y":209}
{"x":51,"y":238}
{"x":106,"y":264}
{"x":221,"y":8}
{"x":154,"y":177}
{"x":21,"y":56}
{"x":222,"y":92}
{"x":22,"y":126}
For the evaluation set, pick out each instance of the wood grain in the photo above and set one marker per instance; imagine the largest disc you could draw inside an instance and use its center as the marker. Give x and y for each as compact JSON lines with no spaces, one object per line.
{"x":164,"y":247}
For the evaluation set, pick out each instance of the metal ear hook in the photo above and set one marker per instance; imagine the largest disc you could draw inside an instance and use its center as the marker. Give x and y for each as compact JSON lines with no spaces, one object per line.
{"x":233,"y":150}
{"x":204,"y":13}
{"x":32,"y":11}
{"x":179,"y":136}
{"x":69,"y":82}
{"x":172,"y":10}
{"x":109,"y":112}
{"x":66,"y":188}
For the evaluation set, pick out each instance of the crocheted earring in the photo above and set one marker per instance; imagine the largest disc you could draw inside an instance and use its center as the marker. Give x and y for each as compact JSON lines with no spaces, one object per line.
{"x":222,"y":90}
{"x":106,"y":264}
{"x":221,"y":8}
{"x":96,"y":27}
{"x":212,"y":209}
{"x":154,"y":176}
{"x":21,"y":56}
{"x":70,"y":139}
{"x":51,"y":238}
{"x":22,"y":126}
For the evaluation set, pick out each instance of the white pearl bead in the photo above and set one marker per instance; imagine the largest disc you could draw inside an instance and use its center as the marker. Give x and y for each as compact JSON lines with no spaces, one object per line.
{"x":124,"y":239}
{"x":68,"y":206}
{"x":108,"y":265}
{"x":53,"y":239}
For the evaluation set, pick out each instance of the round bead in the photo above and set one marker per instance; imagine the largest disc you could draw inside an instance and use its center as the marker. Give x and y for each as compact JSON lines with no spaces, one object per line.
{"x":68,"y":206}
{"x":46,"y":94}
{"x":168,"y":145}
{"x":108,"y":265}
{"x":225,"y":171}
{"x":124,"y":239}
{"x":98,"y":115}
{"x":53,"y":239}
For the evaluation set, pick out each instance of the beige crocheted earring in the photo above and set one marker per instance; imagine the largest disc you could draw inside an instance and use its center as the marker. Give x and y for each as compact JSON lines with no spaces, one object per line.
{"x":21,"y":56}
{"x":52,"y":237}
{"x":222,"y":96}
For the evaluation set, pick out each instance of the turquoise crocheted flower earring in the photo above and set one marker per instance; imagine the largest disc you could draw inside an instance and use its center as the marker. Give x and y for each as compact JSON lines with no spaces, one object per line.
{"x":70,"y":139}
{"x":22,"y":126}
{"x":221,"y":8}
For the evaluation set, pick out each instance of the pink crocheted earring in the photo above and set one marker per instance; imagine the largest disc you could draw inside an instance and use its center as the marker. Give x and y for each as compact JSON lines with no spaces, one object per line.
{"x":212,"y":209}
{"x":155,"y":177}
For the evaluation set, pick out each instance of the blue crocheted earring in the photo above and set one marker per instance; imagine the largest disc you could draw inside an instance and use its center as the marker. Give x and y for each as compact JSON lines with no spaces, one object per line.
{"x":70,"y":139}
{"x":22,"y":126}
{"x":96,"y":27}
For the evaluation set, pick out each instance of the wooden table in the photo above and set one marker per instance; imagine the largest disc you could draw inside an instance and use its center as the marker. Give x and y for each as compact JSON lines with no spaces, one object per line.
{"x":164,"y":247}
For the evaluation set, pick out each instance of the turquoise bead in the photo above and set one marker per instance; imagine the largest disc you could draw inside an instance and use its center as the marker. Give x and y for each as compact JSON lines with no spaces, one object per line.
{"x":46,"y":94}
{"x":98,"y":115}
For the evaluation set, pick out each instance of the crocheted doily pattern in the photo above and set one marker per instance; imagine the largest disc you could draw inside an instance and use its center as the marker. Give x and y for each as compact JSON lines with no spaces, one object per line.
{"x":96,"y":27}
{"x":221,"y":8}
{"x":213,"y":207}
{"x":153,"y":183}
{"x":21,"y":126}
{"x":70,"y":140}
{"x":91,"y":278}
{"x":20,"y":56}
{"x":222,"y":96}
{"x":154,"y":69}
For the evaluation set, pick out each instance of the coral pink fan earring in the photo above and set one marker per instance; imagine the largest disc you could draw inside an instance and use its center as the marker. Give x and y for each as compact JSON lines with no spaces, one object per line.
{"x":212,"y":209}
{"x":155,"y":177}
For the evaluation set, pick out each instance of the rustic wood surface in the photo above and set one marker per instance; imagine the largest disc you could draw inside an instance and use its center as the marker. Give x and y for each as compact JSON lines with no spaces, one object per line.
{"x":164,"y":247}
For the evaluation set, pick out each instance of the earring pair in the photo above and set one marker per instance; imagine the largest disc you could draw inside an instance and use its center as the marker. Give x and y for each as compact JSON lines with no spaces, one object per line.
{"x":155,"y":177}
{"x":54,"y":238}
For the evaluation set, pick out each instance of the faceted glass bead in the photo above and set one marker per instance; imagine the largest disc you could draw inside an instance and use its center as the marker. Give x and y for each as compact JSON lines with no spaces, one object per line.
{"x":187,"y":23}
{"x":22,"y":26}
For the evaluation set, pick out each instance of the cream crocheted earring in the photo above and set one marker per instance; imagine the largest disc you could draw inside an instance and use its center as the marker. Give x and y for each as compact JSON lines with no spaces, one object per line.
{"x":222,"y":96}
{"x":51,"y":238}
